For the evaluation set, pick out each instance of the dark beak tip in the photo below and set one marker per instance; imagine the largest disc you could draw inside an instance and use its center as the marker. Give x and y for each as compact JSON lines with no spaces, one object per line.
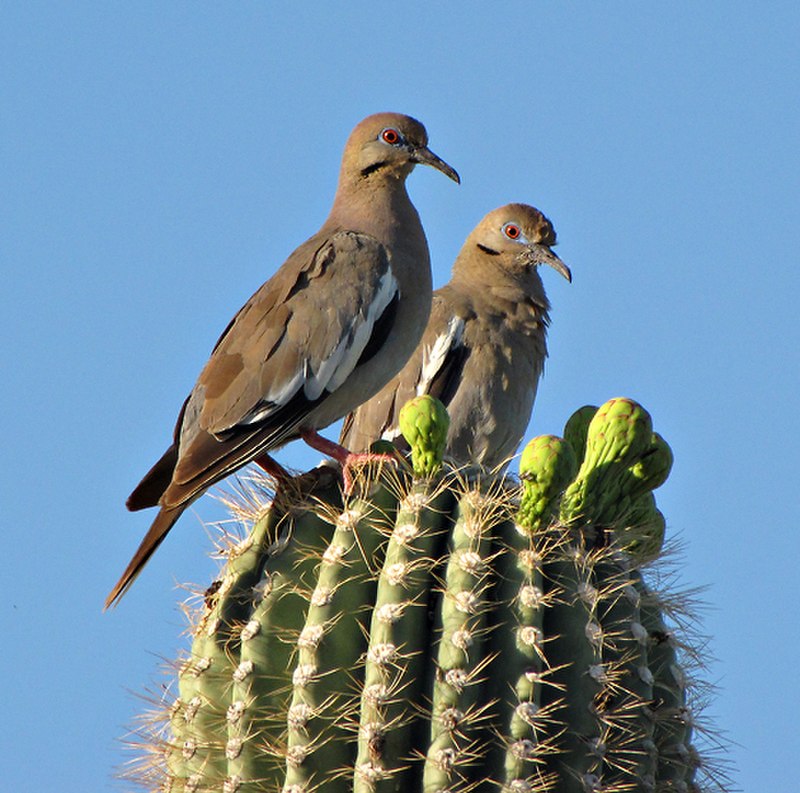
{"x":443,"y":167}
{"x":549,"y":258}
{"x":424,"y":156}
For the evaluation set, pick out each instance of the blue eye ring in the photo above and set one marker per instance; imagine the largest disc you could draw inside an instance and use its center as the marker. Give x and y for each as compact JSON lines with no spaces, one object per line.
{"x":512,"y":231}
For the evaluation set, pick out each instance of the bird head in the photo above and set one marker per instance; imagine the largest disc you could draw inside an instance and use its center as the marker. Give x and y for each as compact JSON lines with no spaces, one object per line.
{"x":520,"y":237}
{"x":391,"y":144}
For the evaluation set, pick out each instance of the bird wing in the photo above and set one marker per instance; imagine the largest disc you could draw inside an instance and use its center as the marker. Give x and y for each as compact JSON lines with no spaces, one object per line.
{"x":444,"y":354}
{"x":434,"y":368}
{"x":303,"y":332}
{"x":299,"y":337}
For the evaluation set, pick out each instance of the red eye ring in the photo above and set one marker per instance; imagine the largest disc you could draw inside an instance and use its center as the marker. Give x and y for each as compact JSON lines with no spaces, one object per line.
{"x":512,"y":231}
{"x":390,"y":136}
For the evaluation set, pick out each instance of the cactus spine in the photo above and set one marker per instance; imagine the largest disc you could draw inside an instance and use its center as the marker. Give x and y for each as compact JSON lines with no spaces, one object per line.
{"x":442,"y":633}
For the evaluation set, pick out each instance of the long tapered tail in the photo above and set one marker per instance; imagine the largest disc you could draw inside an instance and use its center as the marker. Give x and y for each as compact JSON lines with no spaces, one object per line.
{"x":164,"y":521}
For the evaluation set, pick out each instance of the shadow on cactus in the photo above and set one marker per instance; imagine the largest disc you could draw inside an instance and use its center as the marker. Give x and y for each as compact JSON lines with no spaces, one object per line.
{"x":438,"y":632}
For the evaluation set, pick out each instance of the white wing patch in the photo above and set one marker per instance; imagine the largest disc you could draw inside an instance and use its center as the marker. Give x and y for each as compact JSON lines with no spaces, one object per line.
{"x":277,"y":397}
{"x":332,"y":371}
{"x":391,"y":434}
{"x":338,"y":366}
{"x":434,"y":355}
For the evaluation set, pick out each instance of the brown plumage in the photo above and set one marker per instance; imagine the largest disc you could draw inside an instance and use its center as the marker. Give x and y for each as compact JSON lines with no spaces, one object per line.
{"x":484,"y":348}
{"x":329,"y":329}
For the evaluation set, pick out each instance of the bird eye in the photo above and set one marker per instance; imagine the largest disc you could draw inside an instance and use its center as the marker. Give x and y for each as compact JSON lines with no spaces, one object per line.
{"x":391,"y":136}
{"x":512,"y":231}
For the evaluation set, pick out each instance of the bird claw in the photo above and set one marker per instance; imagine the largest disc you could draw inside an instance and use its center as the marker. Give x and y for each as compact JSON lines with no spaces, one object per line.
{"x":343,"y":456}
{"x":362,"y":458}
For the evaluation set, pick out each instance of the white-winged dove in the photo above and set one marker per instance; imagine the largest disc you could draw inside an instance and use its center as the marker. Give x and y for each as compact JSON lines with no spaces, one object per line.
{"x":328,"y":330}
{"x":483,"y":351}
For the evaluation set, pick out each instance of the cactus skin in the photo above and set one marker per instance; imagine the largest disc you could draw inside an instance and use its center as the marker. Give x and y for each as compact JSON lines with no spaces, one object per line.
{"x":330,"y":642}
{"x":460,"y":658}
{"x":447,"y":634}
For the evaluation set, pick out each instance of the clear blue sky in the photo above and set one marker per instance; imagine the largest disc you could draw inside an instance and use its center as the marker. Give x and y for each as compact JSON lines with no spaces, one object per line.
{"x":160,"y":160}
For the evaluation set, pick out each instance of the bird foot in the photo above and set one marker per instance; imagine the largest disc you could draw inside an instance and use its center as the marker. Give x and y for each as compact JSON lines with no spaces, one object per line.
{"x":360,"y":458}
{"x":343,"y":456}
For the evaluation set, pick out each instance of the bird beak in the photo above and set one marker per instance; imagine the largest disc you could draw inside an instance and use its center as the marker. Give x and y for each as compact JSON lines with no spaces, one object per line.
{"x":541,"y":254}
{"x":424,"y":156}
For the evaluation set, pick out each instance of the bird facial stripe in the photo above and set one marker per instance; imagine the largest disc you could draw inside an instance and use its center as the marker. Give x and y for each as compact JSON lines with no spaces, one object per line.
{"x":374,"y":167}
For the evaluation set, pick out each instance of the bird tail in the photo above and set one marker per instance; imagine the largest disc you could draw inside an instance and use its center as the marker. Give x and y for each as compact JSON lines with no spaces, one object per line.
{"x":148,"y":492}
{"x":164,"y":521}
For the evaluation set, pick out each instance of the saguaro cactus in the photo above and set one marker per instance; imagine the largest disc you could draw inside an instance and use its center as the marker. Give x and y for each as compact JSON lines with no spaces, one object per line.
{"x":438,"y":632}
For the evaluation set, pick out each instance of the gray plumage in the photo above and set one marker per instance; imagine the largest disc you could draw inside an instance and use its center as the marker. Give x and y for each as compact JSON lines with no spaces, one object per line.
{"x":484,"y":347}
{"x":329,"y":329}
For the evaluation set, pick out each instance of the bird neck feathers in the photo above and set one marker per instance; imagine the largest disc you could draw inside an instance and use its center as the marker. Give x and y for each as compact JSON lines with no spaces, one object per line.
{"x":375,"y":204}
{"x":516,"y":297}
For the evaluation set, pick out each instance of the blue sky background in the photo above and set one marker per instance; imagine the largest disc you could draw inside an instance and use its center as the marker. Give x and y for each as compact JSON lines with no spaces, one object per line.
{"x":160,"y":160}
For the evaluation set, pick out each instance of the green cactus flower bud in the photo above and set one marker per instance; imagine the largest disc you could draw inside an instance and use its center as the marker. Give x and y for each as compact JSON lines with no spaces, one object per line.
{"x":620,"y":431}
{"x":547,"y":465}
{"x":618,"y":435}
{"x":577,"y":428}
{"x":424,"y":423}
{"x":652,"y":468}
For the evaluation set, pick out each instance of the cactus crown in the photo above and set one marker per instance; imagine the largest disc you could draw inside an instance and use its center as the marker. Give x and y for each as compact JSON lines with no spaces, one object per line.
{"x":436,"y":633}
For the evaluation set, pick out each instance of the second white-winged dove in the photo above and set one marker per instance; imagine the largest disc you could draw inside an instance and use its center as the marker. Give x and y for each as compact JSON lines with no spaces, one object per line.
{"x":329,"y":329}
{"x":484,"y":348}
